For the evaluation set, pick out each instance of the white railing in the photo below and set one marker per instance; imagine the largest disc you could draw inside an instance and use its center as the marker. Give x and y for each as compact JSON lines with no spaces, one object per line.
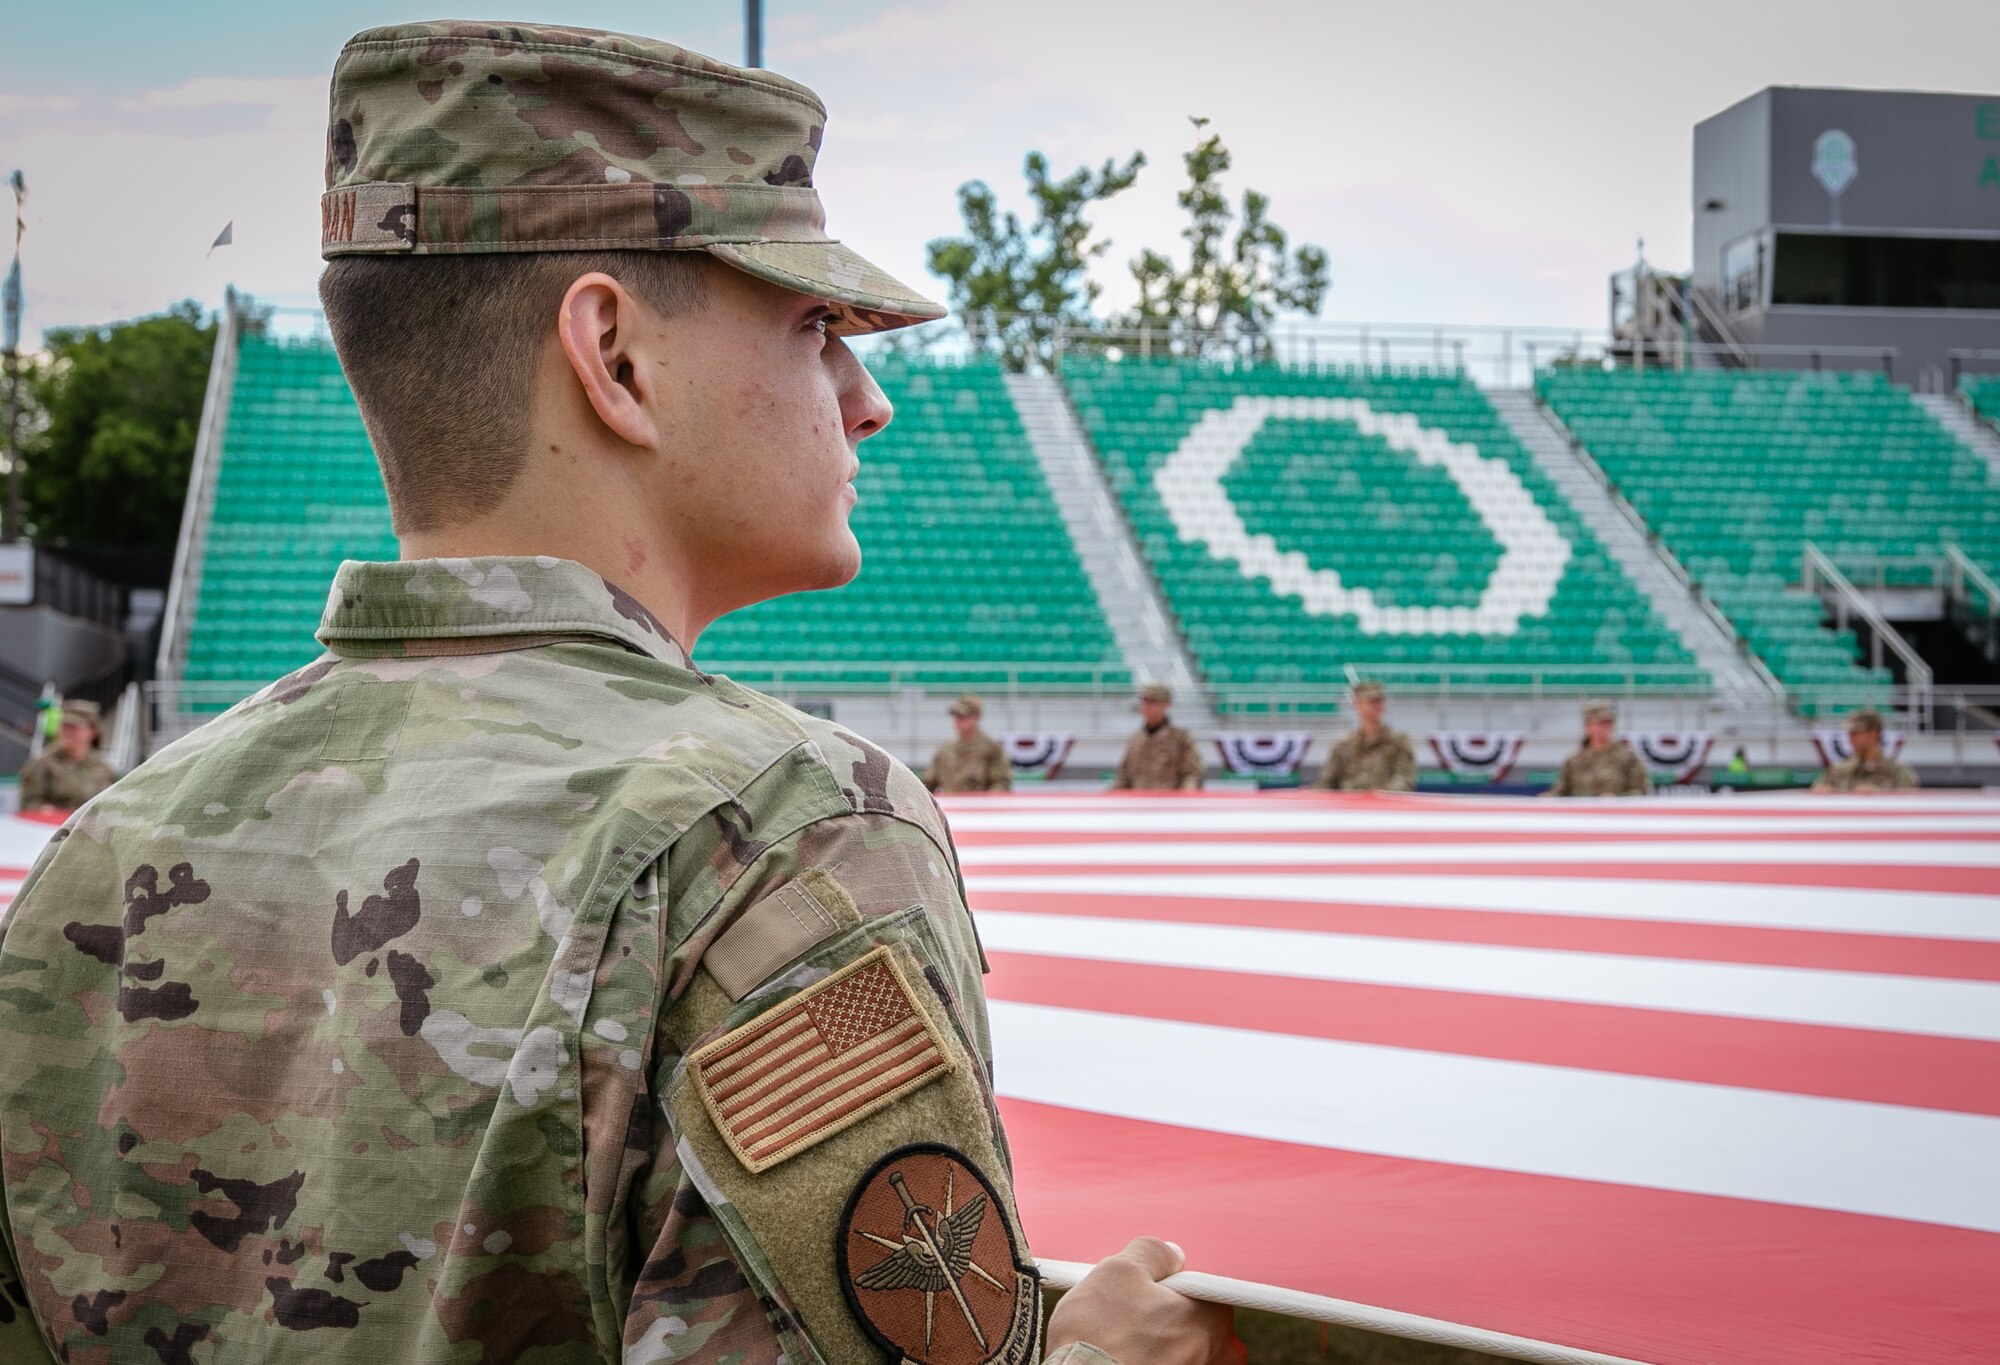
{"x":1816,"y":568}
{"x":184,"y":588}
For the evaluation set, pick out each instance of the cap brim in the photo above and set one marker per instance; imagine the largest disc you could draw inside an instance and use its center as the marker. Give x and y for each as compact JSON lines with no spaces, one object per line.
{"x":866,"y":298}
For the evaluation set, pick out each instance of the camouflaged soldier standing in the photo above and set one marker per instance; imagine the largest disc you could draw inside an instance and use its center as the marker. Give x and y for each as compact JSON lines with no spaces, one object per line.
{"x":70,"y":771}
{"x":1372,"y":757}
{"x":972,"y":762}
{"x":1869,"y":768}
{"x":500,"y":987}
{"x":1162,"y":756}
{"x":1603,"y":765}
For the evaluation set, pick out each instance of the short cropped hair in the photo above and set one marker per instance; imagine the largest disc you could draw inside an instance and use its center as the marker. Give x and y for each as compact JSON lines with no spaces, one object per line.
{"x":441,"y":352}
{"x":1865,"y":720}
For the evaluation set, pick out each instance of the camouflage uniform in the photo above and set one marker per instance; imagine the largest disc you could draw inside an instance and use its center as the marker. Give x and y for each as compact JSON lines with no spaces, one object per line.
{"x":499,"y":987}
{"x":978,"y":764}
{"x":1883,"y":773}
{"x":1165,"y":759}
{"x":1386,"y":762}
{"x":1614,"y":770}
{"x":52,"y":780}
{"x":361,"y":1021}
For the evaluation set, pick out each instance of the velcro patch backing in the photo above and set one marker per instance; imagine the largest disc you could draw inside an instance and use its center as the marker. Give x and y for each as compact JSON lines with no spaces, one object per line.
{"x":819,"y":1063}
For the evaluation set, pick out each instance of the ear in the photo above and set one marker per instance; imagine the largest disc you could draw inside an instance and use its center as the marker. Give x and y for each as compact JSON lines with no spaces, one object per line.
{"x":599,"y":330}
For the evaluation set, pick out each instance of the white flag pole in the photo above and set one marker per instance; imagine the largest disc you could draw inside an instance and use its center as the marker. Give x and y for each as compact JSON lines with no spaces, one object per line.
{"x":1293,"y":1303}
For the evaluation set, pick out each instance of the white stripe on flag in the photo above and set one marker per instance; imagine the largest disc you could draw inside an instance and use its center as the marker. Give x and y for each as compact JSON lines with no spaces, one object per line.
{"x":1900,"y":914}
{"x":1912,"y":852}
{"x":1888,"y":1160}
{"x":1865,"y":1000}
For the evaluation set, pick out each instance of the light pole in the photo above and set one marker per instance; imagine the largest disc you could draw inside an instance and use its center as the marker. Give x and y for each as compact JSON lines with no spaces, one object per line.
{"x":753,"y":32}
{"x":10,"y":525}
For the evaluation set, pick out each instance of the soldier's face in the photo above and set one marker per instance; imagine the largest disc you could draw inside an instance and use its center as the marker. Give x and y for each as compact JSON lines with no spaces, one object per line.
{"x":1864,"y":742}
{"x":74,"y":739}
{"x":967,"y":726}
{"x":765,"y":413}
{"x":1152,"y":712}
{"x":1369,"y":709}
{"x":1599,"y":732}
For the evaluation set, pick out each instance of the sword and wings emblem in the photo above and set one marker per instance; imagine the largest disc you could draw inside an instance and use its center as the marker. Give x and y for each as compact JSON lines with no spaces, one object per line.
{"x":915,"y":1267}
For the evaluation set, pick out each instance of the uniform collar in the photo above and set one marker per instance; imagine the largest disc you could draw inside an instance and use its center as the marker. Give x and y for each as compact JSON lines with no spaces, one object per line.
{"x":510,"y":601}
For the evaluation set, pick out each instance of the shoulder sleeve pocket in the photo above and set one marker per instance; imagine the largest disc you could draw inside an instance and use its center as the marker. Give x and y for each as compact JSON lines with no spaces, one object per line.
{"x":838,"y":1126}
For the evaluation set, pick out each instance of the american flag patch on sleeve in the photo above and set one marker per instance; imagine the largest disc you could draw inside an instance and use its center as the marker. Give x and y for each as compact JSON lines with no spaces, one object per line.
{"x":821,"y":1062}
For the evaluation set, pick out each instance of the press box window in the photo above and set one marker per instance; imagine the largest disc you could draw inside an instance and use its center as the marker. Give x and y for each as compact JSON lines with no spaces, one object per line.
{"x":1831,"y":270}
{"x":1743,"y":273}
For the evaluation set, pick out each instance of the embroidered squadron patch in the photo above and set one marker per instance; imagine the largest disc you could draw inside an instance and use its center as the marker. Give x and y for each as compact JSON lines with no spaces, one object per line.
{"x":827,"y":1058}
{"x":931,"y":1264}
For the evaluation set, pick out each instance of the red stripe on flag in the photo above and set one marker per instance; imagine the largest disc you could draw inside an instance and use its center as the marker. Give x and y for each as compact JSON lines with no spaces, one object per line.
{"x":1972,"y":881}
{"x":1856,"y":1064}
{"x":1672,"y":1278}
{"x":1950,"y":958}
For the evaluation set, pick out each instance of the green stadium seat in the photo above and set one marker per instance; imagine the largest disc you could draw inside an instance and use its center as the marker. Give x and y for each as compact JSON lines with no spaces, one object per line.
{"x":1376,"y":515}
{"x":968,"y":570}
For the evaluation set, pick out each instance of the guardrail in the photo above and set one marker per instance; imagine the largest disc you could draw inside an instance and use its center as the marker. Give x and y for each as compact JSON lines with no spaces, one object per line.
{"x":1816,"y":568}
{"x":185,"y":585}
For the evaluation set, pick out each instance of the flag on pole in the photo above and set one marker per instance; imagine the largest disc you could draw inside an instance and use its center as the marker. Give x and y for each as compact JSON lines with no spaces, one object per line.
{"x":224,"y":237}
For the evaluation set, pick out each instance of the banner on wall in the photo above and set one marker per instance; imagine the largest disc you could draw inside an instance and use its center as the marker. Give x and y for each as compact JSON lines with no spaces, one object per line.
{"x":1260,"y":754}
{"x":1834,"y":748}
{"x":1680,"y":752}
{"x":1041,"y":755}
{"x":1491,"y":753}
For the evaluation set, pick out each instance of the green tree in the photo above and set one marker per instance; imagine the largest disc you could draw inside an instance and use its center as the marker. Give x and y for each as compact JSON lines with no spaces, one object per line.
{"x":1231,"y":287}
{"x":114,"y":415}
{"x":1013,"y":285}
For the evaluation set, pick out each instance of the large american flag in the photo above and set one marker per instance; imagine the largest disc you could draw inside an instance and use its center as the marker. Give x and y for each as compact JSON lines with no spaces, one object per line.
{"x":1680,"y":1081}
{"x":1707,"y":1080}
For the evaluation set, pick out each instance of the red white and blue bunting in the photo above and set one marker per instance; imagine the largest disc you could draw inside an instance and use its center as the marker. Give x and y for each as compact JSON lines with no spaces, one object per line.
{"x":1489,"y":752}
{"x":1040,"y":754}
{"x":1834,"y":748}
{"x":1680,"y":752}
{"x":1262,"y":754}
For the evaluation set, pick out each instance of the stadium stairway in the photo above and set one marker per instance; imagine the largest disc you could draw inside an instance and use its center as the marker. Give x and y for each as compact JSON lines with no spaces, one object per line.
{"x":1125,"y":589}
{"x":1958,"y":415}
{"x":1714,"y":645}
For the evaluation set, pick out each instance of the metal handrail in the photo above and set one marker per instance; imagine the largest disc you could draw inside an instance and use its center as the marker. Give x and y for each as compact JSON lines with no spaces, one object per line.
{"x":1960,"y":570}
{"x":1815,"y":568}
{"x":177,"y":619}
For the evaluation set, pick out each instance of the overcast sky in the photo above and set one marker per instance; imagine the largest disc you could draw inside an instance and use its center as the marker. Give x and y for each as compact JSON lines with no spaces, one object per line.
{"x":1461,"y":162}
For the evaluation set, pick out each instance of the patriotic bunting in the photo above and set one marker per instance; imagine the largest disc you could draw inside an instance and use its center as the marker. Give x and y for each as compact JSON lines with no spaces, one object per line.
{"x":1040,"y":754}
{"x":1680,"y":752}
{"x":1834,"y":748}
{"x":1264,"y":755}
{"x":1463,"y":752}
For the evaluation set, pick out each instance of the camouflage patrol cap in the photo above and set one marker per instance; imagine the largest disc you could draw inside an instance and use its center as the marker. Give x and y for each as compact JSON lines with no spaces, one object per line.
{"x":1156,"y":692}
{"x":1865,"y":719}
{"x":1365,"y":691}
{"x":967,"y":705}
{"x":1599,"y":710}
{"x":454,"y":137}
{"x":83,"y":713}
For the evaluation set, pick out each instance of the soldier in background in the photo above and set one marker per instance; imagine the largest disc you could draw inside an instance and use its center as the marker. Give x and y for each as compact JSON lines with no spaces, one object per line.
{"x":1372,"y":757}
{"x":1162,"y":756}
{"x":70,"y":771}
{"x":1603,"y":764}
{"x":1869,"y":768}
{"x":974,"y":762}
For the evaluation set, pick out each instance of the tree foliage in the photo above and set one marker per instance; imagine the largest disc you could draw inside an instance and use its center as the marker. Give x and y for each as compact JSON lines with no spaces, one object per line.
{"x":113,"y":413}
{"x":1231,"y":286}
{"x":1012,"y":284}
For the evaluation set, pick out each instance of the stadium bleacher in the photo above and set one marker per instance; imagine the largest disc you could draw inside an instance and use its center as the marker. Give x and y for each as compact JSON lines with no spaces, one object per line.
{"x":1402,"y":527}
{"x":967,"y":565}
{"x":966,"y":562}
{"x":1736,"y":472}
